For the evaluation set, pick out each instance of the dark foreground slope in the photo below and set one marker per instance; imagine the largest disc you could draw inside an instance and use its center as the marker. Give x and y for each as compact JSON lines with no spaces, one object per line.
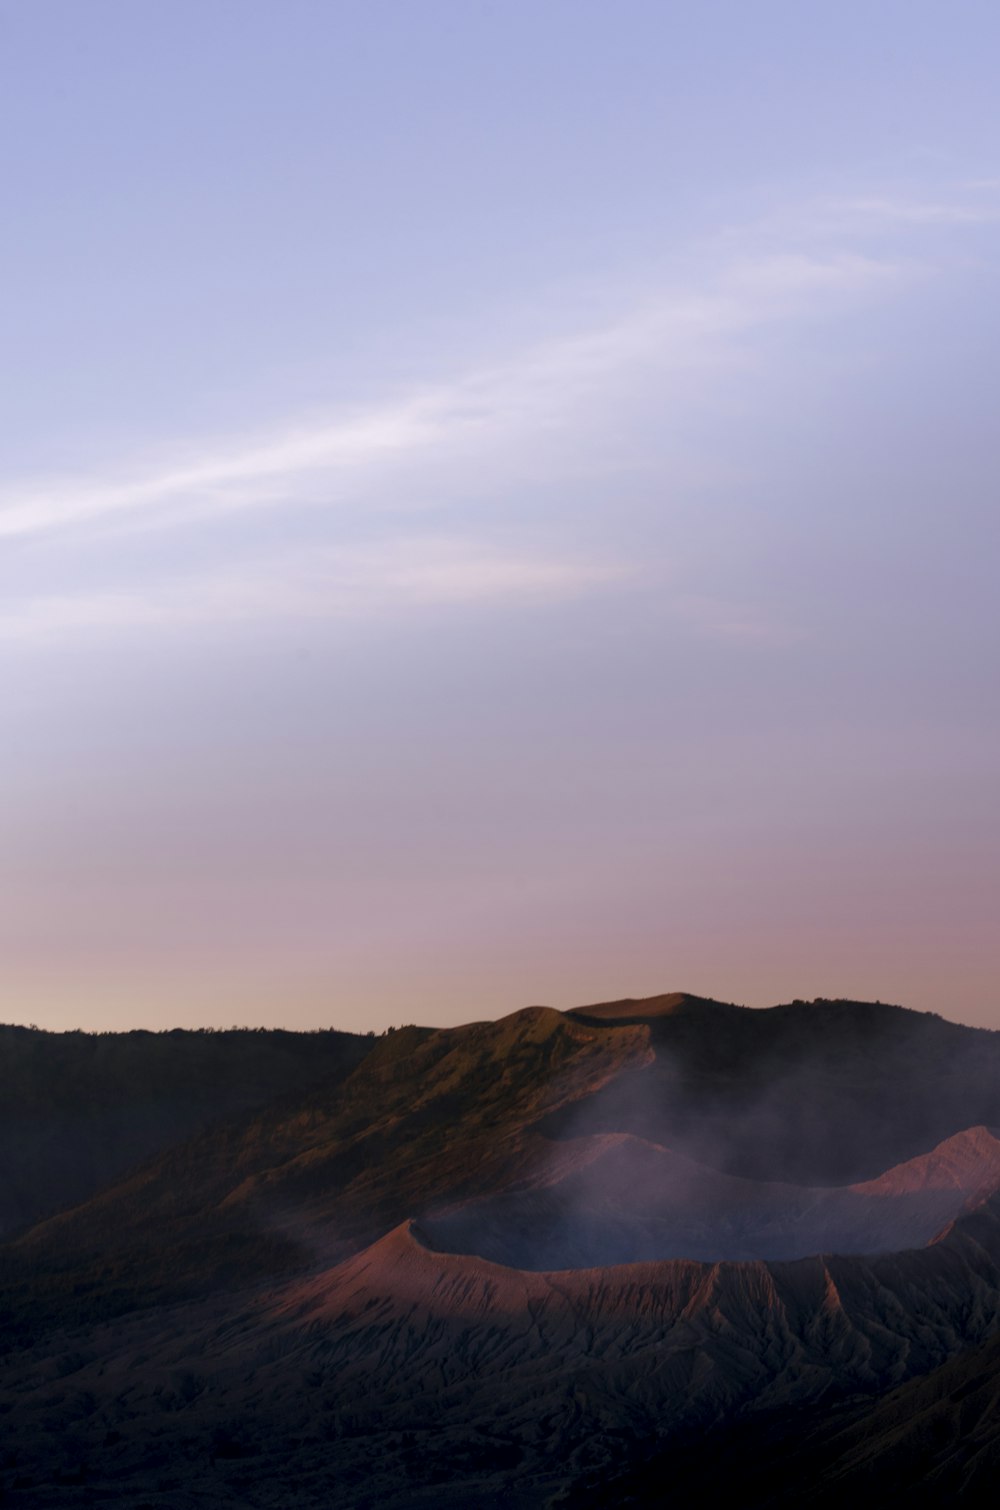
{"x":934,"y":1441}
{"x":267,"y":1315}
{"x":930,"y":1443}
{"x":404,"y":1378}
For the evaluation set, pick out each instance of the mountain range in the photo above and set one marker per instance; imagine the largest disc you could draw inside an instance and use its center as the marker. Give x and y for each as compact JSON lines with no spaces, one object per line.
{"x":634,"y":1253}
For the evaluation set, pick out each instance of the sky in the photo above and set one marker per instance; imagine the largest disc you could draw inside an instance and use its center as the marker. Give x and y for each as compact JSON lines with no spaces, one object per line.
{"x":498,"y":506}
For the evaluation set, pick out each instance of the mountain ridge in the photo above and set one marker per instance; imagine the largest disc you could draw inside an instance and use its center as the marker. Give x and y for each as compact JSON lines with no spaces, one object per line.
{"x":299,"y":1295}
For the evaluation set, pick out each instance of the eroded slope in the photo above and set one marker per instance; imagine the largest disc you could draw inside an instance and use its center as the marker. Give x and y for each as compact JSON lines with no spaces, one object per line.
{"x":404,"y":1377}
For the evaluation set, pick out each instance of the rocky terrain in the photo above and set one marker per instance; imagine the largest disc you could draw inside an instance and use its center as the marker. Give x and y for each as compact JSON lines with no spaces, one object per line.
{"x":617,"y":1256}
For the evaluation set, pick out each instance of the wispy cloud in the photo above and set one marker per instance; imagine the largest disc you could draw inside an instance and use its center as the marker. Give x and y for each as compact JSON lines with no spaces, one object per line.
{"x":328,"y":460}
{"x":896,"y":223}
{"x":259,"y":470}
{"x":349,"y":583}
{"x":537,"y":415}
{"x":903,"y":211}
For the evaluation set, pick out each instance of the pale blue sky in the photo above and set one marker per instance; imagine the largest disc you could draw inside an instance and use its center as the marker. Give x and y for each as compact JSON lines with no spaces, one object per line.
{"x":498,"y":505}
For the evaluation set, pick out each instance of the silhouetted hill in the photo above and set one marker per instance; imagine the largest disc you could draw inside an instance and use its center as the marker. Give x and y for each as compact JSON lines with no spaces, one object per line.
{"x":632,"y":1009}
{"x":77,"y":1109}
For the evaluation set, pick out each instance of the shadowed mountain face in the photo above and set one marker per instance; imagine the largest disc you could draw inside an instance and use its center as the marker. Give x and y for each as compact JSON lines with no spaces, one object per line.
{"x":527,"y":1262}
{"x":811,"y":1093}
{"x":77,"y":1109}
